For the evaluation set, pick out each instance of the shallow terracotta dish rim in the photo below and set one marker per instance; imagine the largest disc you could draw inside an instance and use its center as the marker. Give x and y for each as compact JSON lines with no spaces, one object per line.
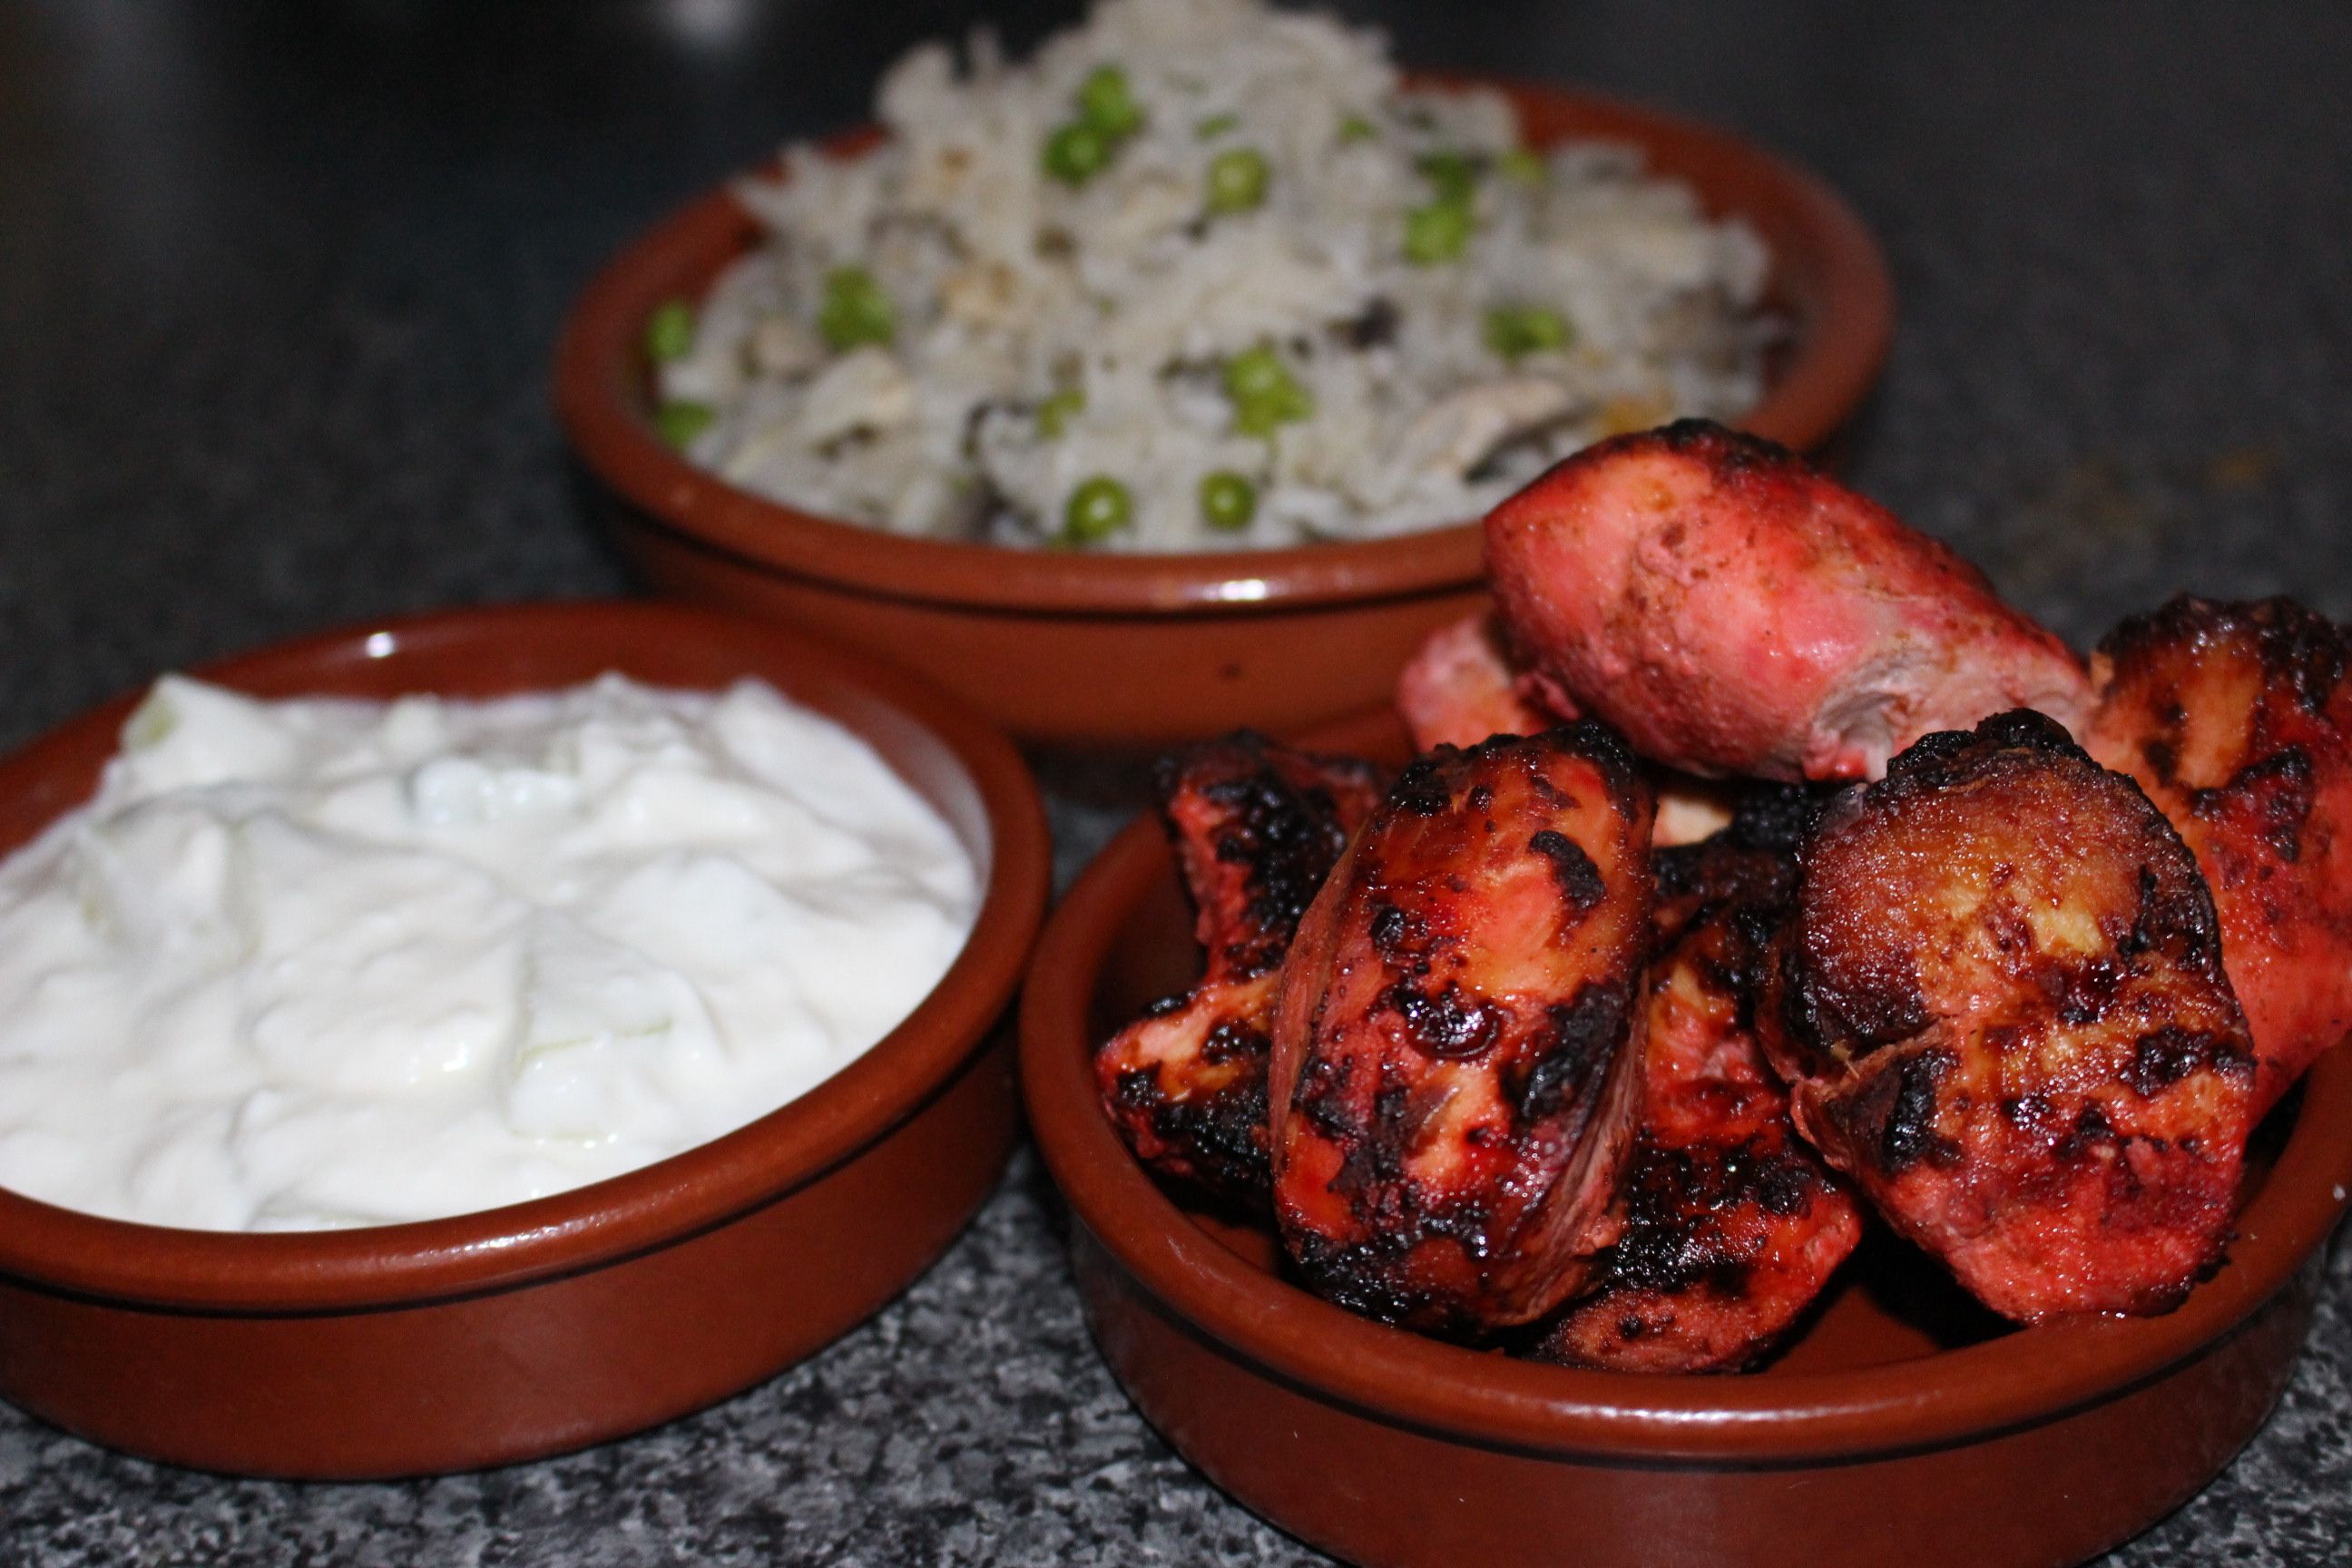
{"x":599,"y":366}
{"x":498,"y":1248}
{"x":2027,"y":1376}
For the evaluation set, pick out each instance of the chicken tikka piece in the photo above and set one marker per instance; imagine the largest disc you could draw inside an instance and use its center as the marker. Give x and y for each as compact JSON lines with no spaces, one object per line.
{"x":2000,"y":1007}
{"x":1256,"y":826}
{"x":1733,"y":1225}
{"x":1456,"y":1072}
{"x":2236,"y":719}
{"x":1463,"y":685}
{"x":1735,"y":613}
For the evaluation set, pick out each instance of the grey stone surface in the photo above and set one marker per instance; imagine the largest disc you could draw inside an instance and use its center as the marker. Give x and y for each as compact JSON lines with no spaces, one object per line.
{"x":278,"y":284}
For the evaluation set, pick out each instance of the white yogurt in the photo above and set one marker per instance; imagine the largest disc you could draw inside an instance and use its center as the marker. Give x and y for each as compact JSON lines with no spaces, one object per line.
{"x":312,"y":964}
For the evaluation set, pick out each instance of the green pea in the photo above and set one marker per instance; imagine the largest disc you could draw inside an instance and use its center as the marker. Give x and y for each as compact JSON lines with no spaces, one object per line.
{"x":1264,"y":392}
{"x":1228,"y":501}
{"x":1211,"y":126}
{"x":1098,"y":509}
{"x":1512,"y":330}
{"x":1356,"y":128}
{"x":1076,"y":153}
{"x":1256,"y":373}
{"x":856,"y":311}
{"x":1054,"y":414}
{"x":1261,"y":419}
{"x":1437,"y":232}
{"x":1106,"y":103}
{"x":1524,"y":167}
{"x":669,"y":331}
{"x":1453,"y":176}
{"x":1237,"y":180}
{"x":680,"y":421}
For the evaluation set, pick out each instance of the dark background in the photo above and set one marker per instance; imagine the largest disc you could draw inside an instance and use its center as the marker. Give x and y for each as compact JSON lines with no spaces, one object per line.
{"x":278,"y":287}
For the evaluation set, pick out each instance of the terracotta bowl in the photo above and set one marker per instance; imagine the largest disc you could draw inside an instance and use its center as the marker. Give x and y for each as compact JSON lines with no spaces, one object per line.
{"x":1145,"y":648}
{"x":544,"y":1326}
{"x":1903,"y":1426}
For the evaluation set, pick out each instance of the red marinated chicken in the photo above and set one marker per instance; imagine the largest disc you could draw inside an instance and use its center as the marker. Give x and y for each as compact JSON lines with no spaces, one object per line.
{"x":1257,"y":828}
{"x":1456,"y":1070}
{"x":1732,"y":1224}
{"x":2237,"y":719}
{"x":1732,"y":612}
{"x":2001,"y":1008}
{"x":1462,"y":687}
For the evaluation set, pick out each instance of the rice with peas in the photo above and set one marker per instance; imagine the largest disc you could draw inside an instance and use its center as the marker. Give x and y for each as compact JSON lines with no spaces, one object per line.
{"x":1200,"y":275}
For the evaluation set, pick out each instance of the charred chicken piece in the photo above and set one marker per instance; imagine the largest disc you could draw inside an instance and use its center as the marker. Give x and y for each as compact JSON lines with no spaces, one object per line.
{"x":1732,"y":1224}
{"x":1734,"y":612}
{"x":2237,"y":719}
{"x":1456,"y":1072}
{"x":1185,"y":1085}
{"x":1464,"y":685}
{"x":2001,"y":1009}
{"x":1256,"y":828}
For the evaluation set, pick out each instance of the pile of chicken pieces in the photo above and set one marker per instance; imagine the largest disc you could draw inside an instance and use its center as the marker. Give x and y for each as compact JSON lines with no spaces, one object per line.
{"x":1760,"y":867}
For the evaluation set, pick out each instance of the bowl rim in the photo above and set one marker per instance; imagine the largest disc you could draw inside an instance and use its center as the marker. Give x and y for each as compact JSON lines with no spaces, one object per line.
{"x":2022,"y":1378}
{"x":411,"y":1263}
{"x":599,"y":361}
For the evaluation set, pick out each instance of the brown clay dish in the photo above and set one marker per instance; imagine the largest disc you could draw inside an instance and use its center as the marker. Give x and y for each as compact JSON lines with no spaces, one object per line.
{"x":544,"y":1326}
{"x":1145,"y":648}
{"x":1903,"y":1425}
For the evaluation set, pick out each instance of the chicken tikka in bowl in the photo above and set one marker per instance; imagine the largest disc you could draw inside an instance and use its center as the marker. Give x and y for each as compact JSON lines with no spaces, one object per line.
{"x":2010,"y":951}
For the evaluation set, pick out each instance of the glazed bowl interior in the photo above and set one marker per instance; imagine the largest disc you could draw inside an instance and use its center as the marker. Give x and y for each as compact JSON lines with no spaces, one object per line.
{"x":1895,"y":1356}
{"x":1828,"y":279}
{"x":964,"y":770}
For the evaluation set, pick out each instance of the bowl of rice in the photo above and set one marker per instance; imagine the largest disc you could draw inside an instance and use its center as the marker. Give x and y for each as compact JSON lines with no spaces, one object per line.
{"x":1154,"y":385}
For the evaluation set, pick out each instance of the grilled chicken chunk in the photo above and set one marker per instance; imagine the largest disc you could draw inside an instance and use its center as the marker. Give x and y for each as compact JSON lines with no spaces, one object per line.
{"x":2236,"y":719}
{"x":1462,"y":687}
{"x":1257,"y":828}
{"x":1732,"y":612}
{"x":2001,"y":1008}
{"x":1732,"y":1224}
{"x":1456,"y":1069}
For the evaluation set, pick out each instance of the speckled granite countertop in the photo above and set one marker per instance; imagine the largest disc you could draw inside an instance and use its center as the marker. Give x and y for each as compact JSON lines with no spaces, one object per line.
{"x":277,"y":288}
